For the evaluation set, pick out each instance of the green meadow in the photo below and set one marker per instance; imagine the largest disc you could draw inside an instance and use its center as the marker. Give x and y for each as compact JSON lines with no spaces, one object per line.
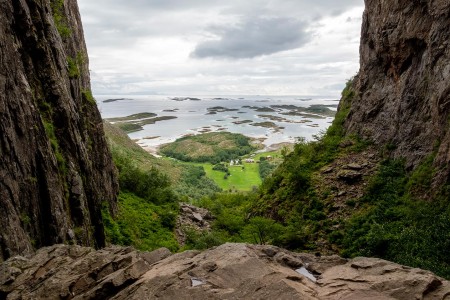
{"x":243,"y":177}
{"x":217,"y":149}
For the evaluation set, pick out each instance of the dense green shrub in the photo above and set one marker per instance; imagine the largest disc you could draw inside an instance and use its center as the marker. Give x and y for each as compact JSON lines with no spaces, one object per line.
{"x":262,"y":230}
{"x":141,"y":224}
{"x":265,"y":168}
{"x":194,"y":184}
{"x":150,"y":185}
{"x":221,"y":167}
{"x":203,"y":240}
{"x":396,"y":226}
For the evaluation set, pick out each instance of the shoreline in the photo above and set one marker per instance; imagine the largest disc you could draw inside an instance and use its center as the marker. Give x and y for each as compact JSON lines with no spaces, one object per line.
{"x":257,"y":141}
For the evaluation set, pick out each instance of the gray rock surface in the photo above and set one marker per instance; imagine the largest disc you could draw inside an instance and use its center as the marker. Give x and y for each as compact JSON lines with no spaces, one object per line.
{"x":192,"y":218}
{"x":230,"y":271}
{"x":55,"y":168}
{"x":403,"y":86}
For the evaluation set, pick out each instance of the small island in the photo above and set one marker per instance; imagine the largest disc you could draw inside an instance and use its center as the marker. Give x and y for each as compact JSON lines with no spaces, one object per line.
{"x":135,"y":122}
{"x":211,"y":147}
{"x":115,"y":99}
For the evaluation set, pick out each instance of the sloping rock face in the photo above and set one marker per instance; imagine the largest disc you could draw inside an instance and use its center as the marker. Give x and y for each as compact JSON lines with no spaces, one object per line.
{"x":403,"y":86}
{"x":55,"y":169}
{"x":230,"y":271}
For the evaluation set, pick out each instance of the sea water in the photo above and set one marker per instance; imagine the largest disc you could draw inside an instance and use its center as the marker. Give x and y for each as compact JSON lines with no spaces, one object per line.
{"x":194,"y":115}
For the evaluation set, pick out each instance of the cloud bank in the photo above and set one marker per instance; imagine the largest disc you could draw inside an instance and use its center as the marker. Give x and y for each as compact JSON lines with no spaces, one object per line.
{"x":255,"y":37}
{"x":222,"y":47}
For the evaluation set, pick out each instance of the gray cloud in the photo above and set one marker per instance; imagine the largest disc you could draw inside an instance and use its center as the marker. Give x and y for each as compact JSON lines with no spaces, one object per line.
{"x":123,"y":22}
{"x":138,"y":46}
{"x":255,"y":37}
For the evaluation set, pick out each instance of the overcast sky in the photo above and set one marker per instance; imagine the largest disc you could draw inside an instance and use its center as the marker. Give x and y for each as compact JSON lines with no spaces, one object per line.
{"x":226,"y":47}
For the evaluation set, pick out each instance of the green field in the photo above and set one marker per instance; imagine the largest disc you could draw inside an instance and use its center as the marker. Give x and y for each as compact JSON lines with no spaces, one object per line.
{"x":240,"y":179}
{"x":214,"y":152}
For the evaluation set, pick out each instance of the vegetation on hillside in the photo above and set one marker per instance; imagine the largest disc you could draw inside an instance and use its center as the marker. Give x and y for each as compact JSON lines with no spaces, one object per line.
{"x":393,"y":224}
{"x":189,"y":182}
{"x":265,"y":168}
{"x":233,"y":223}
{"x":150,"y":190}
{"x":213,"y":147}
{"x":391,"y":220}
{"x":60,"y":19}
{"x":148,"y":207}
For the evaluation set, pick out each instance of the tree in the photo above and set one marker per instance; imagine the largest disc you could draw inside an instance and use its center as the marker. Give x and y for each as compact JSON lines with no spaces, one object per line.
{"x":262,"y":230}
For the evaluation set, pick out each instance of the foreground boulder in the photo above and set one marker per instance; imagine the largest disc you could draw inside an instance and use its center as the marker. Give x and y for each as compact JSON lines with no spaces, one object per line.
{"x":230,"y":271}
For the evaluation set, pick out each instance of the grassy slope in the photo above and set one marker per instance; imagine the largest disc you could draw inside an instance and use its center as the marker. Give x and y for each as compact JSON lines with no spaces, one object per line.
{"x":119,"y":141}
{"x":186,"y":180}
{"x":140,"y":222}
{"x":150,"y":190}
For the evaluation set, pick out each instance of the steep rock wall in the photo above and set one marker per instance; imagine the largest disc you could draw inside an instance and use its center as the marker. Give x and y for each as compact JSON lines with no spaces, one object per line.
{"x":55,"y":168}
{"x":403,"y":86}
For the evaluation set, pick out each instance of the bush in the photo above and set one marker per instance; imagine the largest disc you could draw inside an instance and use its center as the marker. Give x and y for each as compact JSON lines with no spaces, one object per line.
{"x":193,"y":184}
{"x":141,"y":224}
{"x":265,"y":168}
{"x":202,"y":240}
{"x":221,"y":167}
{"x":394,"y":225}
{"x":151,"y":185}
{"x":260,"y":230}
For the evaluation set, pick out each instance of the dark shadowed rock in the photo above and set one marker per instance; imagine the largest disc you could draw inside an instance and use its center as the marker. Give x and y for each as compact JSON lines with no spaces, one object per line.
{"x":403,"y":86}
{"x":350,"y":176}
{"x":55,"y":168}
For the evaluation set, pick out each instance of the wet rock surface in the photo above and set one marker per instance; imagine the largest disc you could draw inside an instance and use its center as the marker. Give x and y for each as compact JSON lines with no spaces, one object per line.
{"x":230,"y":271}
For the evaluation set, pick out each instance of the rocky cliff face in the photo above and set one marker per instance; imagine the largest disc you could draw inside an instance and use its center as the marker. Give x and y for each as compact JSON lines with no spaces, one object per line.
{"x":230,"y":271}
{"x":55,"y":169}
{"x":403,"y":86}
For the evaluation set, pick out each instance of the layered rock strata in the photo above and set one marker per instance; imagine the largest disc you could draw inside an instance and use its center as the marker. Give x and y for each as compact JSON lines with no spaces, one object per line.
{"x":55,"y":168}
{"x":230,"y":271}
